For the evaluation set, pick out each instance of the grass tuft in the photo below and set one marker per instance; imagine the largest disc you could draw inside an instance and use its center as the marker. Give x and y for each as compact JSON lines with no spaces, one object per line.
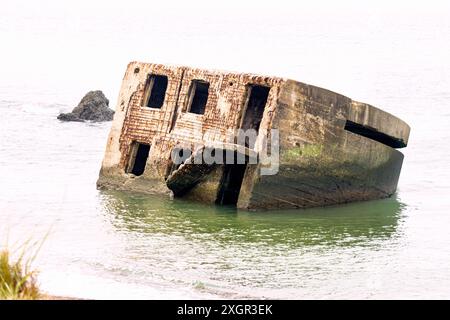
{"x":17,"y":279}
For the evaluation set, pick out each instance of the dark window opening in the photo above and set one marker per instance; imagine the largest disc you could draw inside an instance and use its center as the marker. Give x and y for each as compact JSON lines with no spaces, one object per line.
{"x":198,"y":96}
{"x":373,"y":134}
{"x":139,"y":158}
{"x":156,"y":91}
{"x":254,"y":109}
{"x":230,"y":185}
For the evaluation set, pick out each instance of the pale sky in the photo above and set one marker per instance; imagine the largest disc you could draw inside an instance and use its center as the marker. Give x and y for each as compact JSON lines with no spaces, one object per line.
{"x":86,"y":44}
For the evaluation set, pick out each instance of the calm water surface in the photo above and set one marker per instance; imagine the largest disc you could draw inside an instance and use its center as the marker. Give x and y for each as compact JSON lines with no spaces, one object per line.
{"x":121,"y":245}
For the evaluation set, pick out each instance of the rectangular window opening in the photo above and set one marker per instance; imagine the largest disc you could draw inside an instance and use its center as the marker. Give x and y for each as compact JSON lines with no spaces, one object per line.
{"x":231,"y":183}
{"x":198,"y":96}
{"x":138,"y":159}
{"x":254,"y":110}
{"x":373,"y":134}
{"x":156,"y":91}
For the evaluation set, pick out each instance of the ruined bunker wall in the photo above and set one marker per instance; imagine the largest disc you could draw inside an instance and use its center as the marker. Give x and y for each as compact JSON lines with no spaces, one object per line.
{"x":110,"y":176}
{"x":135,"y":124}
{"x":172,"y":124}
{"x":224,"y":117}
{"x":322,"y":160}
{"x":321,"y":163}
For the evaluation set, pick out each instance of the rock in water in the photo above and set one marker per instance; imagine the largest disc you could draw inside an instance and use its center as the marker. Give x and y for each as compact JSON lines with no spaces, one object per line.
{"x":93,"y":107}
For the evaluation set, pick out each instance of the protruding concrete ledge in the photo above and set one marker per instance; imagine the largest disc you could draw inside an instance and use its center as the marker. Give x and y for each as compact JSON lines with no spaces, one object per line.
{"x":380,"y":121}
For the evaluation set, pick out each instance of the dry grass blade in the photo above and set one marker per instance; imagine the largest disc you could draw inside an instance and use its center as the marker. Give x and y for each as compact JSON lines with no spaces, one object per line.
{"x":17,"y":279}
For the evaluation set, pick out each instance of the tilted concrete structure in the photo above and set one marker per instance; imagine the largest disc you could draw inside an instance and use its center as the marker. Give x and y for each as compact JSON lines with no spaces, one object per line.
{"x":331,"y":149}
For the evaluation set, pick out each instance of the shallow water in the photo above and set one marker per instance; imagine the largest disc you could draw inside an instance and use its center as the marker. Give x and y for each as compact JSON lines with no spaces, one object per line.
{"x":121,"y":245}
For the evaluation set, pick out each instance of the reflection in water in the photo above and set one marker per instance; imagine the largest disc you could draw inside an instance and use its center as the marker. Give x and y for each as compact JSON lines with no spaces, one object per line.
{"x":342,"y":225}
{"x":249,"y":254}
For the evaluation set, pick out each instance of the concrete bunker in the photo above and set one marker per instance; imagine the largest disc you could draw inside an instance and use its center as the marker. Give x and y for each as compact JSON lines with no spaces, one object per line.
{"x":331,"y":149}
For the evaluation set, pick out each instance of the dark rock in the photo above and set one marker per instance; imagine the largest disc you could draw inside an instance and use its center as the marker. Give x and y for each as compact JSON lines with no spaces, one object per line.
{"x":69,"y":117}
{"x":93,"y":107}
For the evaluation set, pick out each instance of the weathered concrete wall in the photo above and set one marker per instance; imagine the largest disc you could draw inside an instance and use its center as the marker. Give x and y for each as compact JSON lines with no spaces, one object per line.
{"x":321,"y":163}
{"x":134,"y":122}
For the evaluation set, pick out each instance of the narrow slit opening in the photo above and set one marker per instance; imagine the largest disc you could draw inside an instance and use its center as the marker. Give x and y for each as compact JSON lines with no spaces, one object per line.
{"x":373,"y":134}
